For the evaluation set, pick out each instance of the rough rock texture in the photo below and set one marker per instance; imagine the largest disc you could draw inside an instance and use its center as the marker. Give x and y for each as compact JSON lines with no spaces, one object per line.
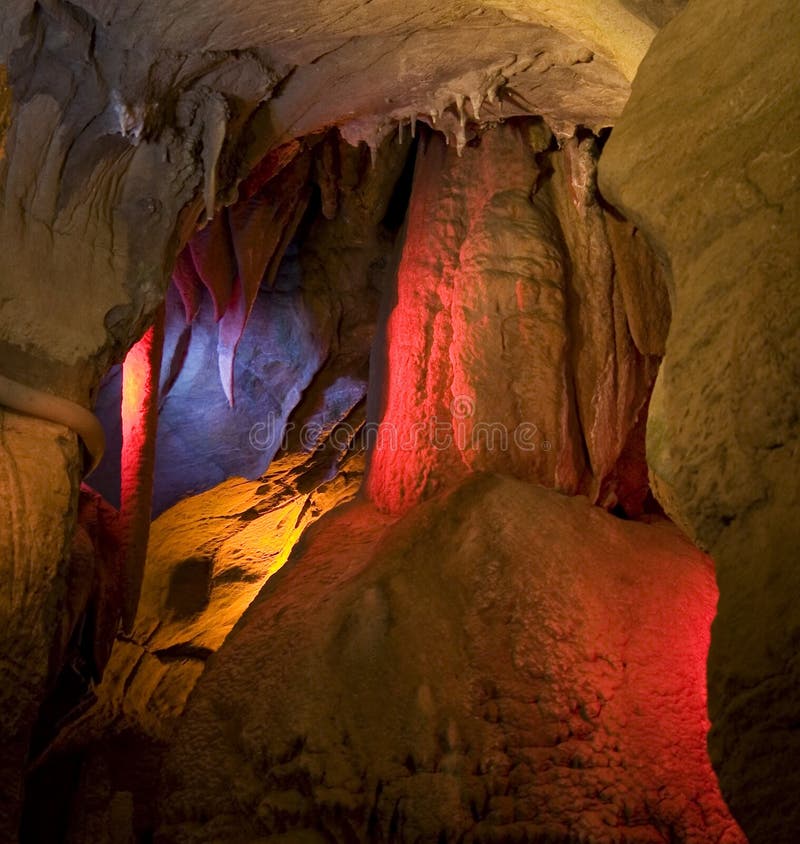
{"x":710,"y":173}
{"x":130,"y":122}
{"x":109,"y":190}
{"x":5,"y":108}
{"x":507,"y":343}
{"x":140,"y":395}
{"x":37,"y":462}
{"x":90,"y":209}
{"x":301,"y":364}
{"x":209,"y":557}
{"x":503,"y":664}
{"x":656,"y":12}
{"x":152,"y":113}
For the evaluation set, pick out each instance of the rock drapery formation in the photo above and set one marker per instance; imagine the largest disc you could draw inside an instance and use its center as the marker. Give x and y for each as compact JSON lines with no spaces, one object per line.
{"x":309,"y":328}
{"x":723,"y":425}
{"x":507,"y":269}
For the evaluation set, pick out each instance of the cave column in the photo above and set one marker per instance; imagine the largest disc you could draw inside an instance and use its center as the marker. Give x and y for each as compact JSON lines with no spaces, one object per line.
{"x":475,"y":373}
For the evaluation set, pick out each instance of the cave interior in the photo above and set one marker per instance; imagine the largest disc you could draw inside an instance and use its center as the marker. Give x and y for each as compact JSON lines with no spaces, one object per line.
{"x":399,"y":421}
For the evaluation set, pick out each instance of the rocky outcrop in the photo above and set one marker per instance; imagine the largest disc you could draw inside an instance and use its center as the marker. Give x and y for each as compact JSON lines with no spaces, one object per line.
{"x":709,"y":170}
{"x":152,"y":116}
{"x":502,"y":664}
{"x":37,"y":461}
{"x":209,"y":557}
{"x":507,"y":344}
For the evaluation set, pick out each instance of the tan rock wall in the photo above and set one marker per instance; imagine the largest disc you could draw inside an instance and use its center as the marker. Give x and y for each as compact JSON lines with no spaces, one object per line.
{"x":706,"y":161}
{"x":502,"y":664}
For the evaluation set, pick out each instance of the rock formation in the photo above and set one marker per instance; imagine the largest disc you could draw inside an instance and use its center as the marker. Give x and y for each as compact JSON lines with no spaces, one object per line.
{"x":722,"y":439}
{"x":376,"y":240}
{"x":503,"y":664}
{"x":507,"y":268}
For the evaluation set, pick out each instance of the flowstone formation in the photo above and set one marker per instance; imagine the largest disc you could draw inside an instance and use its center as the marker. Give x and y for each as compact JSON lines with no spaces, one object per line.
{"x":503,"y":664}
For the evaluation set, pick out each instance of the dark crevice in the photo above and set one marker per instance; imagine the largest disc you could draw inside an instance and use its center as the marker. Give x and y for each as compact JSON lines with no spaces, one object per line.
{"x":177,"y":653}
{"x":401,"y":197}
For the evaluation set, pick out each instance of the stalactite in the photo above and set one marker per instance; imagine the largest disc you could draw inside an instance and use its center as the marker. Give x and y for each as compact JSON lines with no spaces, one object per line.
{"x":261,"y":228}
{"x":188,"y":283}
{"x":212,"y":252}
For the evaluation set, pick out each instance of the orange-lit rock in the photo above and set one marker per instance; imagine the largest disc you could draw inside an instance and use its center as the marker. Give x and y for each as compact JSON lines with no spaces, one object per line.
{"x":210,"y":555}
{"x":502,"y":664}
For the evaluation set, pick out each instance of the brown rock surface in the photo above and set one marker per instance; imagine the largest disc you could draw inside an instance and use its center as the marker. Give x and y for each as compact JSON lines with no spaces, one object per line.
{"x":502,"y":664}
{"x":39,"y":463}
{"x":150,"y":111}
{"x":706,"y":161}
{"x":209,"y":557}
{"x":656,"y":12}
{"x":131,"y":120}
{"x":5,"y":108}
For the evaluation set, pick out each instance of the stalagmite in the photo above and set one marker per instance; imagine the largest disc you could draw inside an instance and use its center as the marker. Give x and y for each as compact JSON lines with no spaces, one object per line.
{"x":139,"y":424}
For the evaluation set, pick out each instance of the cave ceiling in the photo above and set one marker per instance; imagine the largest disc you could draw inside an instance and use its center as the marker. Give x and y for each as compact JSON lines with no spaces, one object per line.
{"x":159,"y":110}
{"x":374,"y":63}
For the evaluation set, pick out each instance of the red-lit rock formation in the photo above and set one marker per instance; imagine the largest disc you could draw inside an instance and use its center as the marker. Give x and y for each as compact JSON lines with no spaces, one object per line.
{"x":383,"y":686}
{"x":140,"y":376}
{"x":303,"y":361}
{"x":503,"y":664}
{"x":508,"y":345}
